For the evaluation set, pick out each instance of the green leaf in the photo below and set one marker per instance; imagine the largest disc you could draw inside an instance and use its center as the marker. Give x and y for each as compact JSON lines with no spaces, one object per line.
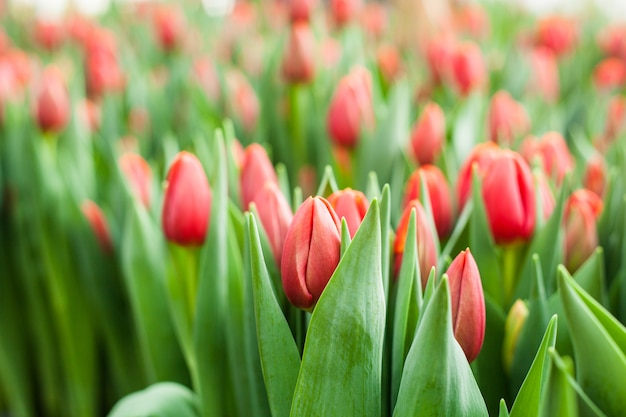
{"x":340,"y":373}
{"x":385,"y":238}
{"x":559,"y":398}
{"x":437,"y":380}
{"x":590,"y":276}
{"x":527,"y":402}
{"x":165,"y":399}
{"x":503,"y":411}
{"x":328,"y":184}
{"x":280,"y":358}
{"x":598,"y":341}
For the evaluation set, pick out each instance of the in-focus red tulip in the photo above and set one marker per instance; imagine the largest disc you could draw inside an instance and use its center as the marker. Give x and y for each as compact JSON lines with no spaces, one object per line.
{"x":428,"y":134}
{"x":595,"y":176}
{"x":168,"y":23}
{"x":438,"y":193}
{"x":311,"y":252}
{"x":581,"y":236}
{"x":552,"y":152}
{"x":98,"y":224}
{"x":351,"y":108}
{"x":257,"y":169}
{"x":468,"y":68}
{"x":139,"y":176}
{"x":481,"y":157}
{"x":351,"y":205}
{"x":187,"y":201}
{"x":298,"y":64}
{"x":509,"y":195}
{"x":508,"y":119}
{"x":544,"y":74}
{"x":426,"y":250}
{"x":275,"y":216}
{"x":556,"y":33}
{"x":609,"y":74}
{"x":52,"y":105}
{"x":468,"y":304}
{"x":300,"y":10}
{"x":344,"y":11}
{"x":49,"y":34}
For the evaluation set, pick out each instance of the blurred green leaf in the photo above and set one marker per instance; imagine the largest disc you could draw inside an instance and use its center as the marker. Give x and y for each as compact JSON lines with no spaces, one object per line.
{"x":165,"y":399}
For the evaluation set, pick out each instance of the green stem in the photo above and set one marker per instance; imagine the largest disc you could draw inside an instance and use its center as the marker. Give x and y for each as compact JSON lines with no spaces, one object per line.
{"x":510,"y":272}
{"x":298,"y":135}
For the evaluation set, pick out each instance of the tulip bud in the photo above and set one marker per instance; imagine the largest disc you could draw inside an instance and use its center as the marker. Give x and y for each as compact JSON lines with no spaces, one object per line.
{"x":311,"y":252}
{"x":512,"y":330}
{"x":244,"y":103}
{"x":351,"y":108}
{"x":389,"y":62}
{"x":102,"y":73}
{"x":139,"y":176}
{"x":508,"y":119}
{"x":52,"y":102}
{"x":481,"y":157}
{"x":169,"y":26}
{"x":615,"y":118}
{"x":509,"y":196}
{"x":439,"y":55}
{"x":299,"y":61}
{"x":468,"y":304}
{"x":468,"y":68}
{"x":49,"y":34}
{"x":556,"y":33}
{"x":612,"y":40}
{"x":544,"y":74}
{"x":187,"y":201}
{"x":351,"y":205}
{"x":257,"y":169}
{"x":428,"y":134}
{"x":426,"y":250}
{"x":98,"y":224}
{"x":594,"y":178}
{"x":343,"y":11}
{"x":300,"y":10}
{"x":609,"y":74}
{"x":581,"y":236}
{"x":438,"y":193}
{"x":552,"y":152}
{"x":275,"y":216}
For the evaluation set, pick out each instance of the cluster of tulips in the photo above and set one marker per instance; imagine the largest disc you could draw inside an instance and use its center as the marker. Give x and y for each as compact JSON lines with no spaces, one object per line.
{"x":311,"y":209}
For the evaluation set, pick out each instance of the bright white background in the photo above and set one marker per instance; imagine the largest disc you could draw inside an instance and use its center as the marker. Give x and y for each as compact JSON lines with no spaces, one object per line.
{"x":614,"y":9}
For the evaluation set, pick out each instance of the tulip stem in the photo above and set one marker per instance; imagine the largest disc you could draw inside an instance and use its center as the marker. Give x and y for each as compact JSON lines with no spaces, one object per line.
{"x":510,"y":266}
{"x":297,"y":126}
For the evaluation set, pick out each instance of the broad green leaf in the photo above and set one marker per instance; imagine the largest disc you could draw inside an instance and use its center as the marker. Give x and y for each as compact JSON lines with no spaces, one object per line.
{"x":527,"y":402}
{"x":165,"y":399}
{"x":437,"y":380}
{"x":280,"y":358}
{"x":559,"y":398}
{"x":601,"y":363}
{"x":590,"y":276}
{"x":343,"y":351}
{"x":385,"y":238}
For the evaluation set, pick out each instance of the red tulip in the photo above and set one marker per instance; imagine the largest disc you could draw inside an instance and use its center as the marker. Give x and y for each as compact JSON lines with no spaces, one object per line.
{"x":552,"y":152}
{"x":275,"y":216}
{"x":389,"y":62}
{"x":311,"y":252}
{"x":299,"y":61}
{"x":610,"y":73}
{"x":300,"y":10}
{"x":49,"y":34}
{"x":343,"y":11}
{"x":351,"y":108}
{"x":351,"y":205}
{"x":468,"y":68}
{"x":481,"y":156}
{"x":439,"y":56}
{"x":581,"y":236}
{"x":544,"y":74}
{"x":556,"y":33}
{"x":612,"y":41}
{"x":615,"y":118}
{"x":426,"y":250}
{"x":468,"y":304}
{"x":257,"y":169}
{"x":139,"y":176}
{"x":508,"y":119}
{"x":98,"y":224}
{"x":52,"y":105}
{"x":187,"y":201}
{"x":374,"y":19}
{"x":244,"y":103}
{"x":428,"y":134}
{"x":472,"y":19}
{"x":206,"y":76}
{"x":103,"y":74}
{"x":594,"y":178}
{"x":168,"y":23}
{"x":438,"y":193}
{"x":509,"y":197}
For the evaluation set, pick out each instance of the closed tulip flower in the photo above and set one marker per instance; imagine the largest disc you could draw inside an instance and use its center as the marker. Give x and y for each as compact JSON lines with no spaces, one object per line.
{"x":508,"y":119}
{"x":610,"y":74}
{"x":344,"y":11}
{"x":544,"y":74}
{"x":439,"y":55}
{"x":351,"y":108}
{"x":581,"y":236}
{"x":300,"y":10}
{"x":299,"y":61}
{"x":275,"y":215}
{"x":169,"y":27}
{"x":187,"y":201}
{"x":311,"y":252}
{"x":428,"y":134}
{"x":509,"y":196}
{"x":139,"y":176}
{"x":98,"y":223}
{"x":468,"y":68}
{"x":426,"y":250}
{"x":556,"y":33}
{"x":468,"y":304}
{"x":594,"y":178}
{"x":257,"y":169}
{"x":52,"y":105}
{"x":552,"y":152}
{"x":351,"y":205}
{"x":438,"y":193}
{"x":481,"y":157}
{"x":512,"y":330}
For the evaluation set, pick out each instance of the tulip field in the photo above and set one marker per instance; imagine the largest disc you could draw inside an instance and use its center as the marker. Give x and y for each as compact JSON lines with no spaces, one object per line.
{"x":312,"y":208}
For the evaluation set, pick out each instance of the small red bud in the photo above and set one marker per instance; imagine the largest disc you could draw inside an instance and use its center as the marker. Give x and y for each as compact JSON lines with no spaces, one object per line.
{"x":351,"y":205}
